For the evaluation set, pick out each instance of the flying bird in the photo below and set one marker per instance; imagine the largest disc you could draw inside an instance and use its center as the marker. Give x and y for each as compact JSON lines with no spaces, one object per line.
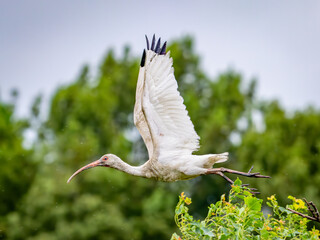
{"x":165,"y":126}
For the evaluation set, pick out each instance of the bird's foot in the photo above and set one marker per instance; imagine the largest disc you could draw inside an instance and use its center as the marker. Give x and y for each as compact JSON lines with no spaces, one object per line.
{"x":227,"y":170}
{"x":221,"y":171}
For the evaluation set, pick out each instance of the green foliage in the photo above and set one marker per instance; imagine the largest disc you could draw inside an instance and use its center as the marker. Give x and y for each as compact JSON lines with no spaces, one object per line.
{"x":74,"y":212}
{"x":17,"y":166}
{"x":287,"y":149}
{"x":14,"y":183}
{"x":241,"y":218}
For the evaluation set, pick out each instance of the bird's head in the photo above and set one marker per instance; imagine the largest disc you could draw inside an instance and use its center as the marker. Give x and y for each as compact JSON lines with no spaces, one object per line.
{"x":107,"y":160}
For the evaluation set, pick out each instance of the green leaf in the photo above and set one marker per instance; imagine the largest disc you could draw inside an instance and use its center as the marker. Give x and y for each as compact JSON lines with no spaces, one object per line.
{"x":253,"y":204}
{"x":237,"y":182}
{"x":282,"y":209}
{"x":207,"y":232}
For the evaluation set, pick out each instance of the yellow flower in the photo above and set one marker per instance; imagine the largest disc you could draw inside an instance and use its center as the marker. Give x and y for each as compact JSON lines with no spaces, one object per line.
{"x":187,"y":201}
{"x":297,"y":203}
{"x":271,"y":198}
{"x":315,"y":232}
{"x":223,"y":198}
{"x":182,"y":196}
{"x":300,"y":204}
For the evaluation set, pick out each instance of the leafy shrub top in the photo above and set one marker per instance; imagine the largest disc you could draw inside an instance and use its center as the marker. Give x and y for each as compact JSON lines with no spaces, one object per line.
{"x":241,"y":217}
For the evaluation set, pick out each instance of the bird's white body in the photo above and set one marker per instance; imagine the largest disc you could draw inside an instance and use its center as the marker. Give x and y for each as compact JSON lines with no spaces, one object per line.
{"x":165,"y":126}
{"x":179,"y":168}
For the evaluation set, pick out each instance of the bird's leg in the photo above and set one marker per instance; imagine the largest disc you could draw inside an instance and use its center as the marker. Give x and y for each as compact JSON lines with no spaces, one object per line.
{"x":225,"y":177}
{"x":221,"y":171}
{"x":227,"y":170}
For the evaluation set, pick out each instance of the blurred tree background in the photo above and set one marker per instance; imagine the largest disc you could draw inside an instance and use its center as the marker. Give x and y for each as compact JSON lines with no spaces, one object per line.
{"x":93,"y":116}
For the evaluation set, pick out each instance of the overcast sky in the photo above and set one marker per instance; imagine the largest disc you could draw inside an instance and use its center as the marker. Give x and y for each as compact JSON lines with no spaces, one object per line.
{"x":43,"y":44}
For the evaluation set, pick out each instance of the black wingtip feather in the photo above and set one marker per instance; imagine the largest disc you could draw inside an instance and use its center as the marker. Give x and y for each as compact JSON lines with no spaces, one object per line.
{"x":163,"y":49}
{"x":147,"y":42}
{"x":143,"y":59}
{"x":156,"y":47}
{"x":153,"y":42}
{"x":157,"y":50}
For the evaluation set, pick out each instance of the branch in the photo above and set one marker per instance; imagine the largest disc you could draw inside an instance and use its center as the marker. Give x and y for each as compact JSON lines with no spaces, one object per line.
{"x":312,"y":209}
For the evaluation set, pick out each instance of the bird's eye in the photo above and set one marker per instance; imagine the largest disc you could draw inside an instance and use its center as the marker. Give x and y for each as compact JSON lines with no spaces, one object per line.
{"x":105,"y":158}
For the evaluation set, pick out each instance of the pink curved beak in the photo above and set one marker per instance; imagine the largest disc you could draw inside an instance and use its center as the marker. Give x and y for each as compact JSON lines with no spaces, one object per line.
{"x":88,"y":166}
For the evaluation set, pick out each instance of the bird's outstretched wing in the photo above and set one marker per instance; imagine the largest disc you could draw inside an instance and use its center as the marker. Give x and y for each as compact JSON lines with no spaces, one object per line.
{"x":165,"y":116}
{"x":139,"y":116}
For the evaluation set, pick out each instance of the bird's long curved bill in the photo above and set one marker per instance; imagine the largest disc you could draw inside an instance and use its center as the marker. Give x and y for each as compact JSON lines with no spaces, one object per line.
{"x":90,"y":165}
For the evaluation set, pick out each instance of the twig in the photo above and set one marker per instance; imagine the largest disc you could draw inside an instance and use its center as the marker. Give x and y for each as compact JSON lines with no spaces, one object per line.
{"x":312,"y":209}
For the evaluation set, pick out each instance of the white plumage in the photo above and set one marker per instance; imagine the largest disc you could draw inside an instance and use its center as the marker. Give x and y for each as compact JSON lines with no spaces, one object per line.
{"x":165,"y":126}
{"x":163,"y":106}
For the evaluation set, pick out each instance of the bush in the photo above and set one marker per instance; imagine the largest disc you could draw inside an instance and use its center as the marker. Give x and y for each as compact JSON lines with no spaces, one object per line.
{"x":241,"y":218}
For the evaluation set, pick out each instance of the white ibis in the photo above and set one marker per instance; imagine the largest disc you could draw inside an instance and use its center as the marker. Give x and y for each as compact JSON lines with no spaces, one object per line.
{"x":164,"y":124}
